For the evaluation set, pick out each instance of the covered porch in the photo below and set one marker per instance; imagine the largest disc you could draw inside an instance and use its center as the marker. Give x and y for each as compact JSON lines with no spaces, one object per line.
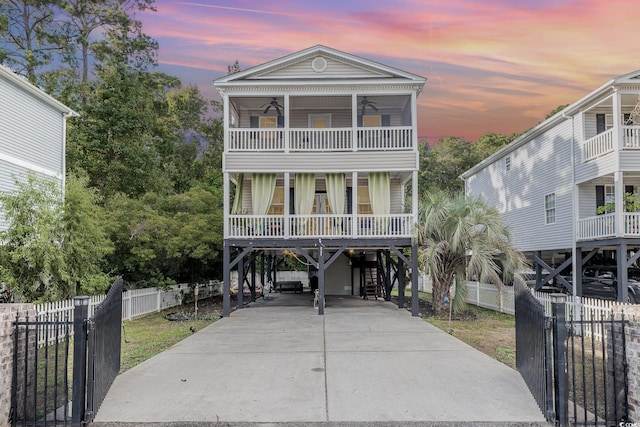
{"x":598,"y":215}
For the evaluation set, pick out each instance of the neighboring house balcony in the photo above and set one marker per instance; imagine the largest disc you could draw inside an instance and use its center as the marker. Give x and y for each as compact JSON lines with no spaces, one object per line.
{"x":612,"y":125}
{"x":599,"y":216}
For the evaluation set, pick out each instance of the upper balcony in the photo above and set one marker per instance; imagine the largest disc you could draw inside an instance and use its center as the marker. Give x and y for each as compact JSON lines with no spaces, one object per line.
{"x":321,"y":123}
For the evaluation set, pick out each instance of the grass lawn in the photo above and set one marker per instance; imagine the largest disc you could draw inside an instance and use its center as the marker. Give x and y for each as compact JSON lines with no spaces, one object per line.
{"x":491,"y":332}
{"x":147,"y":336}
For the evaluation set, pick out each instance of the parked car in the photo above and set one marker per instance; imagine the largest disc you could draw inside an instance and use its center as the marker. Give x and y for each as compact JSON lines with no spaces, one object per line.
{"x":599,"y":281}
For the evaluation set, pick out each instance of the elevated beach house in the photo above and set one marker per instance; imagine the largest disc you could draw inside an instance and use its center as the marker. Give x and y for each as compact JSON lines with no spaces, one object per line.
{"x":320,"y":153}
{"x":568,"y":187}
{"x":32,"y":133}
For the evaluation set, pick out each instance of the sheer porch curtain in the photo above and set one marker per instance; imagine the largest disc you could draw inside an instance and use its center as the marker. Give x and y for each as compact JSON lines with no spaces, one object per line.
{"x":305,"y":191}
{"x":263,"y":185}
{"x":236,"y":209}
{"x":380,"y":196}
{"x":336,"y":190}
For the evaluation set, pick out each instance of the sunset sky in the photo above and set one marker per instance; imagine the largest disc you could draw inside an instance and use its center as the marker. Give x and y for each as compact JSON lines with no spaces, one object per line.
{"x":491,"y":66}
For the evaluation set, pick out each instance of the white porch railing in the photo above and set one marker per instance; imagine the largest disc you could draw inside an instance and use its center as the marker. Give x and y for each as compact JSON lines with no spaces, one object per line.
{"x":631,"y":137}
{"x":333,"y":139}
{"x":320,"y":225}
{"x":597,"y":146}
{"x":596,"y":227}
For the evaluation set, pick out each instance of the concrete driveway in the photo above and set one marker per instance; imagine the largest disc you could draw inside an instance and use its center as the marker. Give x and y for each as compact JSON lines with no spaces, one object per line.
{"x":363,"y":362}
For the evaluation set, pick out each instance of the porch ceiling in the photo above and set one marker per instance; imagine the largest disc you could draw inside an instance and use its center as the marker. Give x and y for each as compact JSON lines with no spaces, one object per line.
{"x":319,"y":102}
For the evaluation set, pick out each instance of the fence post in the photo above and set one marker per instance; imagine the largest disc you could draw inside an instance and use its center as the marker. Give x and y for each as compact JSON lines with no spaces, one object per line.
{"x":561,"y":380}
{"x":80,"y":316}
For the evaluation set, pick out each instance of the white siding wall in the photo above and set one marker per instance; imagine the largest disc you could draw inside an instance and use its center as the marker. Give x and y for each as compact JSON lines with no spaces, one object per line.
{"x":335,"y":69}
{"x":584,"y":126}
{"x":30,"y":130}
{"x":541,"y":167}
{"x":339,"y":118}
{"x":322,"y":162}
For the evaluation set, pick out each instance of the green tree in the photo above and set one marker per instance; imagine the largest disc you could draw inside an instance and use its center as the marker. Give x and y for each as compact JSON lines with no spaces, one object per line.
{"x":86,"y":244}
{"x":31,"y":256}
{"x":442,"y":164}
{"x":28,"y":35}
{"x":462,"y":237}
{"x":491,"y":142}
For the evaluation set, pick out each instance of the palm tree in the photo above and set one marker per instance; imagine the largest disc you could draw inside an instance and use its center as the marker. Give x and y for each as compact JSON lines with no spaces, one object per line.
{"x":462,"y":237}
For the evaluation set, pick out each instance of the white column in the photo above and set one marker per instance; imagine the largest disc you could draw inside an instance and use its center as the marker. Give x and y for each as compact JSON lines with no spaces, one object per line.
{"x":354,"y":122}
{"x":286,"y":124}
{"x":225,"y":122}
{"x":354,"y":204}
{"x":414,"y":121}
{"x":225,"y":204}
{"x":414,"y":198}
{"x":619,"y":200}
{"x":287,"y":201}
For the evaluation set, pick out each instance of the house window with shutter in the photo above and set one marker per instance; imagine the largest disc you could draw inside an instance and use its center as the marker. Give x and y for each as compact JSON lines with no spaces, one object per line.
{"x":507,"y":163}
{"x":550,"y":208}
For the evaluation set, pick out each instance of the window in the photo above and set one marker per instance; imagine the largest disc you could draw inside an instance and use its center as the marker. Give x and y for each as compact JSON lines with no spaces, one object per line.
{"x":507,"y":163}
{"x":277,"y":203}
{"x":371,"y":121}
{"x":550,"y":208}
{"x":364,"y":205}
{"x":609,"y":194}
{"x":268,"y":122}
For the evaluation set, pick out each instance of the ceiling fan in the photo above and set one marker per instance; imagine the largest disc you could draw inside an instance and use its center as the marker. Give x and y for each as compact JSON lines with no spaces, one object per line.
{"x":274,"y":104}
{"x":366,"y":103}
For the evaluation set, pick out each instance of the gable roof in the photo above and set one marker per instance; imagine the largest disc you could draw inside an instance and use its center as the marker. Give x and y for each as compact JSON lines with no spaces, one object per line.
{"x":564,"y":114}
{"x":319,"y":62}
{"x":28,"y":87}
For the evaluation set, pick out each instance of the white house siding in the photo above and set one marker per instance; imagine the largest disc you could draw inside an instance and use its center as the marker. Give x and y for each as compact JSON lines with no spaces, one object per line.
{"x":30,"y":130}
{"x":540,"y":167}
{"x":630,"y":161}
{"x":334,"y":69}
{"x":322,"y":162}
{"x":341,"y":118}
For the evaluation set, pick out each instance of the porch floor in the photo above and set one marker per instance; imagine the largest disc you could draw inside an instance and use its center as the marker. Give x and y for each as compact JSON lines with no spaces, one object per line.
{"x":364,"y":362}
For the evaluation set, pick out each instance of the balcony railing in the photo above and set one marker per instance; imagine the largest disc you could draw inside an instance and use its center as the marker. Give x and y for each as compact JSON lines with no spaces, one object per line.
{"x":597,"y":146}
{"x":333,"y":139}
{"x":603,"y":143}
{"x":320,"y":225}
{"x":597,"y":227}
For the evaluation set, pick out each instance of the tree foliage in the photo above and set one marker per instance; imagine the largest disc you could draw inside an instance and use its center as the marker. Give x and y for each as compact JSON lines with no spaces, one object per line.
{"x":462,"y":238}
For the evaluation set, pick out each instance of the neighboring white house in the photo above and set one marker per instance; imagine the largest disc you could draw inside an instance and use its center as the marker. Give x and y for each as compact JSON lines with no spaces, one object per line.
{"x":32,"y":133}
{"x":549,"y":183}
{"x":320,"y":150}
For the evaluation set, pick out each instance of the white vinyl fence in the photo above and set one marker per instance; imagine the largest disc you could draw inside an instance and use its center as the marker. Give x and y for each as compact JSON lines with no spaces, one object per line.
{"x":136,"y":302}
{"x":591,"y":311}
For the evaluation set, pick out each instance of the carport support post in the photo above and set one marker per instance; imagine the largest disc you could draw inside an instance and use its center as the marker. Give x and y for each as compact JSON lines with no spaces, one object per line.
{"x":561,"y":380}
{"x":79,"y":390}
{"x":240,"y":294}
{"x":400,"y":283}
{"x":415,"y":309}
{"x":320,"y":280}
{"x":622,"y":276}
{"x":226,"y":282}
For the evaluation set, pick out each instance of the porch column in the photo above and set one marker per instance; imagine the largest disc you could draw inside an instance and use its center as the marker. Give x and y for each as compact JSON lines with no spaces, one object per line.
{"x":286,"y":125}
{"x":577,"y":273}
{"x":225,"y":203}
{"x":619,"y":202}
{"x":320,"y":280}
{"x":240,"y":282}
{"x":415,"y":309}
{"x":226,"y":281}
{"x":354,"y":122}
{"x":387,"y":277}
{"x":253,"y":279}
{"x":414,"y":122}
{"x":621,"y":260}
{"x":262,"y":272}
{"x":400,"y":283}
{"x":414,"y":198}
{"x":617,"y":125}
{"x":355,"y":229}
{"x":287,"y":203}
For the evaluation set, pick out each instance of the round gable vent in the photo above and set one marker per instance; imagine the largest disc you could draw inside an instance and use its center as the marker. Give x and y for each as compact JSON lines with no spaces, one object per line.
{"x":319,"y":64}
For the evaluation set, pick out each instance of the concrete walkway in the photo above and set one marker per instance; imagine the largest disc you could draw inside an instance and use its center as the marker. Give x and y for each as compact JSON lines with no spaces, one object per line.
{"x":362,"y":363}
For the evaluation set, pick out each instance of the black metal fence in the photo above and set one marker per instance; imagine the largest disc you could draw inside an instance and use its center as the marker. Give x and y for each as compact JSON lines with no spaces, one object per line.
{"x":533,"y":349}
{"x":576,"y":369}
{"x":63,"y":366}
{"x":105,"y":335}
{"x":41,"y":383}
